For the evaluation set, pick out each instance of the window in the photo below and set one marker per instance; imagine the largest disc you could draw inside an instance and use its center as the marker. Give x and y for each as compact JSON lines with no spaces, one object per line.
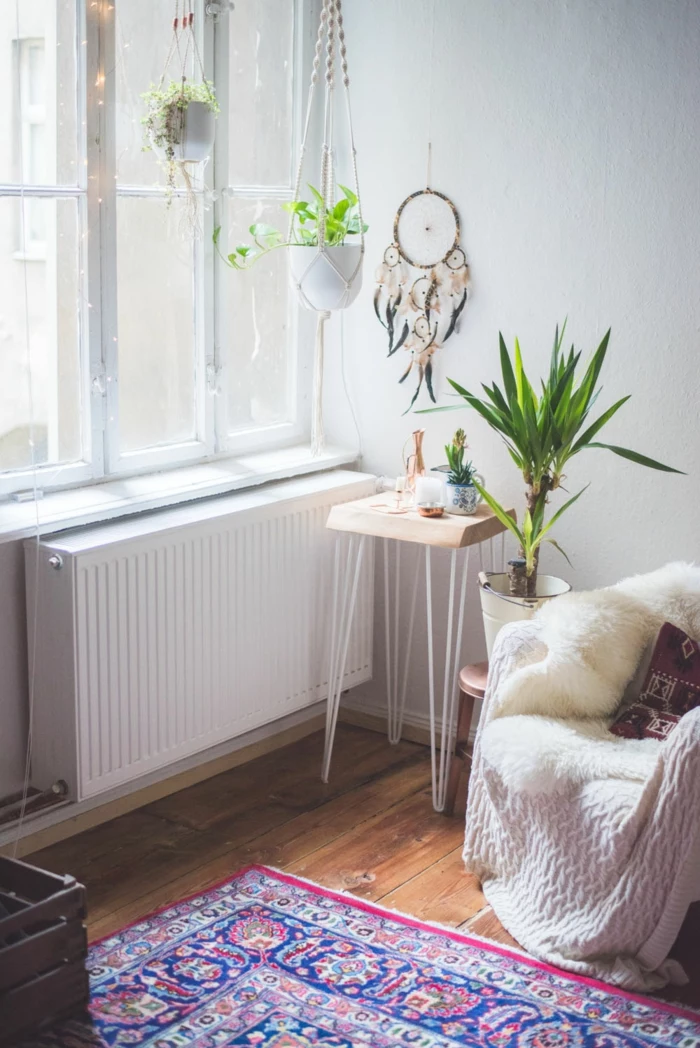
{"x":124,"y":344}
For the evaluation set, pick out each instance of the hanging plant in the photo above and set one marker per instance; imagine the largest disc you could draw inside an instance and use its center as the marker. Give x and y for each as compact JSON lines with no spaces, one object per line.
{"x":169,"y":125}
{"x":325,"y":266}
{"x":180,"y":117}
{"x":341,"y":220}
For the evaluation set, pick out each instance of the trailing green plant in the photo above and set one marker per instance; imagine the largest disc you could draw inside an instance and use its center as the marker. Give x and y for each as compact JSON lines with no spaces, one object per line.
{"x":165,"y":114}
{"x":461,"y":472}
{"x":341,"y":221}
{"x":542,"y":433}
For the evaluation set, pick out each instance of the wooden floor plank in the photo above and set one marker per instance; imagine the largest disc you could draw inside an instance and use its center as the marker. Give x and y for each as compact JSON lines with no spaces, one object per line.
{"x":387,"y":850}
{"x":128,"y":836}
{"x":283,"y":783}
{"x":444,"y":892}
{"x":487,"y":925}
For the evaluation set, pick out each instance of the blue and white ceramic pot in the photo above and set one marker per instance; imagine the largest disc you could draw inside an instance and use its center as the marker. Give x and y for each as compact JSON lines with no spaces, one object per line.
{"x":463,"y":498}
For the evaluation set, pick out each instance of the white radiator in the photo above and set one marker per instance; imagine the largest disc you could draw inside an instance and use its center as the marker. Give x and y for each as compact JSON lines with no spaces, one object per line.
{"x":168,"y":633}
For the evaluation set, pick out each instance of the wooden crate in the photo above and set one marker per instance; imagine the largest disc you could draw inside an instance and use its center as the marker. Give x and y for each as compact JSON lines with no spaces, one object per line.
{"x":43,"y":945}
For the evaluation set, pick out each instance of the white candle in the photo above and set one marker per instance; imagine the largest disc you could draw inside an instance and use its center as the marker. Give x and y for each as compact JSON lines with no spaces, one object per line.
{"x":400,"y":484}
{"x":428,"y":489}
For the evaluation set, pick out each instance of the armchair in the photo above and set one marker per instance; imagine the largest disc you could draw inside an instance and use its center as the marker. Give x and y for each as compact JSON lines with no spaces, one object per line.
{"x":592,"y":866}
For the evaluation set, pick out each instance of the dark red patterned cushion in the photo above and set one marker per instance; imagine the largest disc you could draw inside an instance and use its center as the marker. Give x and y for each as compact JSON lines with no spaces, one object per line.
{"x":671,"y":688}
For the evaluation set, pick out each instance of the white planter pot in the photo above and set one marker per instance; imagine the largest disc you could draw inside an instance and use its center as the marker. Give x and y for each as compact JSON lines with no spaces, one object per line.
{"x":328,"y":279}
{"x":194,"y":130}
{"x":463,"y":499}
{"x":498,"y":607}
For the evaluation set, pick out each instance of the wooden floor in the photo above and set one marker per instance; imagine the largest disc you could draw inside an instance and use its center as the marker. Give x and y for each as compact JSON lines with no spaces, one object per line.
{"x":371,"y":831}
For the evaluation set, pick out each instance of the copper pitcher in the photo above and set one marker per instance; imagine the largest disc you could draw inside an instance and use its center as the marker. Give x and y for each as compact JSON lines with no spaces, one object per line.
{"x":415,"y":466}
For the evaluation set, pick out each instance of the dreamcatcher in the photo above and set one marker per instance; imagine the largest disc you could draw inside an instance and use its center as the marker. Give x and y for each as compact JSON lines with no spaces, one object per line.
{"x":422,"y":283}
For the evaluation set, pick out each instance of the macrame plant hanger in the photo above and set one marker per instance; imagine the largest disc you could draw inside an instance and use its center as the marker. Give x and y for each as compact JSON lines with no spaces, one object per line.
{"x":331,"y":32}
{"x":184,"y":46}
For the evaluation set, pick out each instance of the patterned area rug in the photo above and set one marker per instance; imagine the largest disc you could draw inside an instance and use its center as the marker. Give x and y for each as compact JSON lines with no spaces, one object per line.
{"x":269,"y":961}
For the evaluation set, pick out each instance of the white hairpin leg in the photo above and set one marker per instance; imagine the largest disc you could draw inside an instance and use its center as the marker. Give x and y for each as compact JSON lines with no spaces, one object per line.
{"x":346,"y":578}
{"x":395,"y":700}
{"x":441,"y":755}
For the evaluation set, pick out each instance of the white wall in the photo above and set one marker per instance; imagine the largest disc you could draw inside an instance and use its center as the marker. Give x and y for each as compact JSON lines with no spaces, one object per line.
{"x":567,"y":135}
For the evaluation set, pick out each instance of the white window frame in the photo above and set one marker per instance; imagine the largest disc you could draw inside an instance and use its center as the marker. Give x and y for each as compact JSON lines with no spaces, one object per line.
{"x":31,"y":114}
{"x":96,"y":195}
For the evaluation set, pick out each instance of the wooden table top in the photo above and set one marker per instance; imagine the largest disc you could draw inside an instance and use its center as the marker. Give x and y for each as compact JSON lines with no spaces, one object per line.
{"x":451,"y":531}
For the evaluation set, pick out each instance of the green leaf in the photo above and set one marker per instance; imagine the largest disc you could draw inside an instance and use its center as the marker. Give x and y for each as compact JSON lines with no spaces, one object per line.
{"x":498,"y":509}
{"x":350,"y":196}
{"x":446,"y":407}
{"x":243,"y":249}
{"x":519,"y":373}
{"x":317,"y":196}
{"x":634,"y":456}
{"x":527,"y":529}
{"x":507,"y":371}
{"x":562,"y":509}
{"x":563,"y":552}
{"x":340,"y":209}
{"x":598,"y":425}
{"x":261,"y":229}
{"x":216,"y":234}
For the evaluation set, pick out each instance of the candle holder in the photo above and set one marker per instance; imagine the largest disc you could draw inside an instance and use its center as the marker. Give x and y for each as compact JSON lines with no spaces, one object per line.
{"x":430,"y":509}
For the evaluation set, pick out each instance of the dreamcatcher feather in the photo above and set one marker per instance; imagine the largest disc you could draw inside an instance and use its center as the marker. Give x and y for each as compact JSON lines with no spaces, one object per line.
{"x":422,"y":283}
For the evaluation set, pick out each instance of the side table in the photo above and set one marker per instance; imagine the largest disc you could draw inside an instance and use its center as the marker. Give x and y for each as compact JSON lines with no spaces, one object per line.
{"x":356,"y":522}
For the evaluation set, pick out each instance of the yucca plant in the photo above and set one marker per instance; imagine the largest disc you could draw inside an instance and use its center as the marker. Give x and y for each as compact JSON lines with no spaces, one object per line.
{"x":542,"y":433}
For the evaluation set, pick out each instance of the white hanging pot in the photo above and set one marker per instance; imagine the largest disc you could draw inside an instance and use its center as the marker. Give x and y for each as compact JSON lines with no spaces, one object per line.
{"x":328,"y":279}
{"x":498,"y":606}
{"x":193,"y":131}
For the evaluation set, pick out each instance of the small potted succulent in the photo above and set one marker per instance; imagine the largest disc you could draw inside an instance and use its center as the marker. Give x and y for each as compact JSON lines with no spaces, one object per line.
{"x":462,"y":495}
{"x":326,"y":284}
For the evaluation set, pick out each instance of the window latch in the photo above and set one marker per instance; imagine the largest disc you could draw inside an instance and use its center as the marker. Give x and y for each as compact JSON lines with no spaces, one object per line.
{"x":214,"y":379}
{"x":217,"y":7}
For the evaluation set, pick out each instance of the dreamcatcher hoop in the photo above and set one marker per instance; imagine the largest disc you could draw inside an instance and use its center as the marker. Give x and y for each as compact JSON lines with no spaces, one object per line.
{"x":449,"y":219}
{"x":323,"y":267}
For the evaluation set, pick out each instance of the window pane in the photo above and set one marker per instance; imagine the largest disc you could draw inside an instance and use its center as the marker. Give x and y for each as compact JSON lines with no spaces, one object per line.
{"x":155,"y":279}
{"x":143,"y":35}
{"x":52,"y":286}
{"x":260,"y":92}
{"x":260,"y":360}
{"x":38,"y":106}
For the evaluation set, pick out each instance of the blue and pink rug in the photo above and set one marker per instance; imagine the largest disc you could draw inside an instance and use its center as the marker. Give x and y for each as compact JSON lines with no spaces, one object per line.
{"x":269,"y":961}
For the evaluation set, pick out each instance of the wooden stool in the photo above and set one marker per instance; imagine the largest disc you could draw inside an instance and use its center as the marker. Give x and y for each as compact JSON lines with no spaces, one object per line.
{"x":472,"y":686}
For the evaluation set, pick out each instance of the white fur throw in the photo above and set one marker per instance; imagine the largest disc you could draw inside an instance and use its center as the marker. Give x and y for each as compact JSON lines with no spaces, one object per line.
{"x":588,"y":844}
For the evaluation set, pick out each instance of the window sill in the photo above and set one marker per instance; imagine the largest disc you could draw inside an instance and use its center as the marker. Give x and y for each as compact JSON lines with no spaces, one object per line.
{"x":118,"y":498}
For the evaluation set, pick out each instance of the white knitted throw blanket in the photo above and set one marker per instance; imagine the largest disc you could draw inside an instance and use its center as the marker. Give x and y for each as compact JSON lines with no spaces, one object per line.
{"x":587,"y":845}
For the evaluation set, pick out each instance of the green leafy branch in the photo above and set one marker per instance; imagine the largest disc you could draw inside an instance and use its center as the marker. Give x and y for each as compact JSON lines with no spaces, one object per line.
{"x":340,"y":221}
